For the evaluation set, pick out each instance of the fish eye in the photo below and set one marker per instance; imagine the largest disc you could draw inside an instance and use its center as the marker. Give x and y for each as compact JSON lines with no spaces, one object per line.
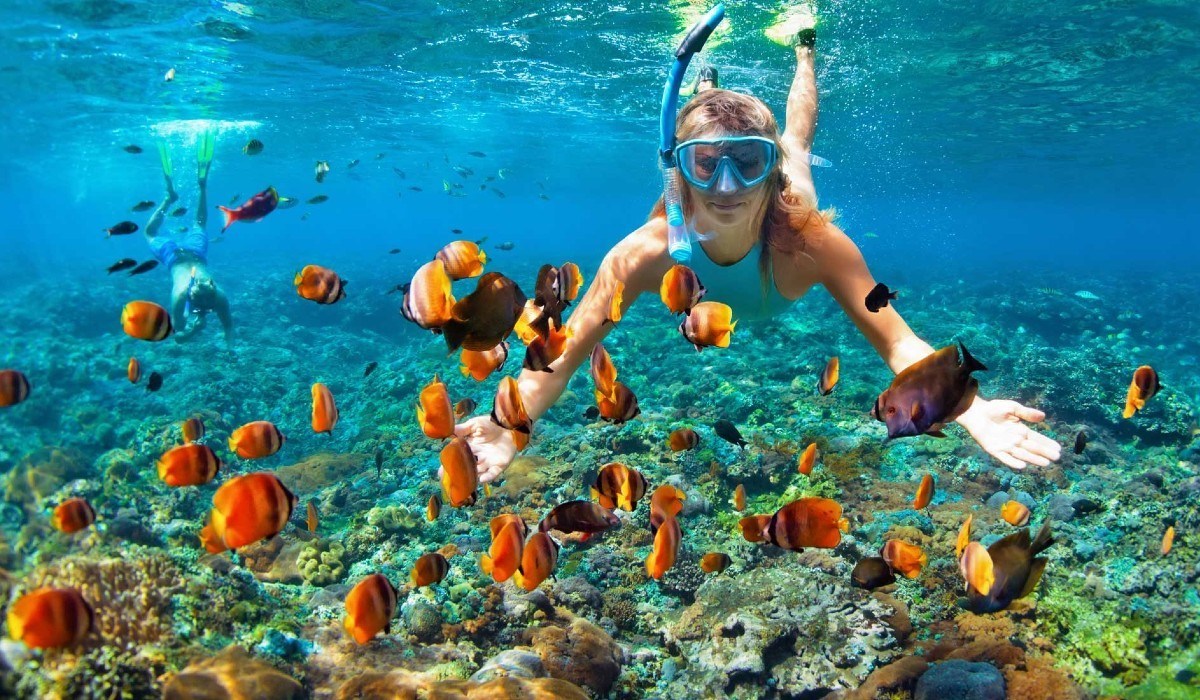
{"x":891,"y":410}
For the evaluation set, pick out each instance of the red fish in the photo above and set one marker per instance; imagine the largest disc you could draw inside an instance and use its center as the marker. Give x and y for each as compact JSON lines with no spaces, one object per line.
{"x":253,"y":210}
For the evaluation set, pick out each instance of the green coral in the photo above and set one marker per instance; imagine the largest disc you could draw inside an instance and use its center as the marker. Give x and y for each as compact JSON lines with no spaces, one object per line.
{"x":391,"y":519}
{"x":1094,"y":641}
{"x":320,"y":562}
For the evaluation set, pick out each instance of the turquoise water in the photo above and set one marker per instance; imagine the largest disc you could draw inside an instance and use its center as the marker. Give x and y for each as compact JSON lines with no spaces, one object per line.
{"x":1024,"y":173}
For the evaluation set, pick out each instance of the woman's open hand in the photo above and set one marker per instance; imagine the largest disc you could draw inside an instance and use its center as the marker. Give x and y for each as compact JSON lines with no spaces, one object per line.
{"x":999,"y":428}
{"x":493,"y":446}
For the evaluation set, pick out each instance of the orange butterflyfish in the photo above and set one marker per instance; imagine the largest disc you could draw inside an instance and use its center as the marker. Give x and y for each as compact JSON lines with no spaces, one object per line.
{"x":508,"y":409}
{"x":479,"y":364}
{"x":370,"y":606}
{"x":808,"y":459}
{"x":433,"y":508}
{"x":964,"y":537}
{"x":463,"y":408}
{"x":904,"y":558}
{"x":754,"y":527}
{"x":1015,"y":513}
{"x":615,"y":304}
{"x":247,"y":509}
{"x":680,"y":289}
{"x":504,"y":556}
{"x":320,"y":284}
{"x":50,"y":618}
{"x":429,"y":302}
{"x":435,"y":413}
{"x":977,"y":568}
{"x":73,"y":515}
{"x":620,"y":407}
{"x":524,"y":329}
{"x":324,"y":410}
{"x":520,"y":440}
{"x":807,"y":522}
{"x":14,"y":387}
{"x":146,"y":320}
{"x":924,"y":492}
{"x":739,"y":498}
{"x":462,"y":259}
{"x":256,"y":439}
{"x":665,"y":550}
{"x":1144,"y":385}
{"x":710,"y":324}
{"x":192,"y":464}
{"x":538,"y":561}
{"x":603,"y":371}
{"x":311,"y":519}
{"x":460,"y":475}
{"x":1168,"y":540}
{"x":665,"y":504}
{"x":429,"y":569}
{"x":545,"y":351}
{"x":714,"y":562}
{"x":618,"y":486}
{"x":134,"y":370}
{"x":683,"y":439}
{"x":829,"y":377}
{"x":192,"y":429}
{"x":570,"y":281}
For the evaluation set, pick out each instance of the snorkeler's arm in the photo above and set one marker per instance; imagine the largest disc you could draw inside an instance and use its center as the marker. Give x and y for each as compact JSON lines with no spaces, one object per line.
{"x":639,"y":261}
{"x":844,"y":273}
{"x":179,"y":317}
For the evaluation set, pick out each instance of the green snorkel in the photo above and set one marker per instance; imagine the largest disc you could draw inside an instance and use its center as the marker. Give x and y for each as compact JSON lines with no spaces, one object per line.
{"x":679,"y":241}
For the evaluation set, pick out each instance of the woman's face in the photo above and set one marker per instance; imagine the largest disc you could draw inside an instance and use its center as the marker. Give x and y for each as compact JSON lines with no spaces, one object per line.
{"x":727,"y":202}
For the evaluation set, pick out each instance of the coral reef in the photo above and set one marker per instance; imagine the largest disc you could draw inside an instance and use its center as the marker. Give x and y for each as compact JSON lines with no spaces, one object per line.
{"x":320,"y":562}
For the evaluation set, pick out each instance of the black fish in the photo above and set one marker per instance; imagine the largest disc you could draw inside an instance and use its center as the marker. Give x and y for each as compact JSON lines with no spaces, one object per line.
{"x":403,"y":288}
{"x":155,"y":382}
{"x":482,"y":188}
{"x":133,"y":148}
{"x":351,"y":164}
{"x":122,"y":264}
{"x":1017,"y":569}
{"x":378,"y":462}
{"x":591,"y":413}
{"x":179,"y":212}
{"x":929,"y":393}
{"x":122,"y":229}
{"x":399,"y":173}
{"x":379,"y":156}
{"x":1080,"y":442}
{"x":235,"y":198}
{"x":544,"y":196}
{"x":477,"y":154}
{"x":414,"y":188}
{"x":871,"y":573}
{"x":878,"y":297}
{"x":253,"y":147}
{"x":393,"y":251}
{"x":456,"y":231}
{"x":144,"y":205}
{"x":728,"y":432}
{"x":497,"y":192}
{"x":144,"y":267}
{"x":579,"y":516}
{"x":507,"y":245}
{"x":481,"y":241}
{"x":370,"y":368}
{"x":489,"y":178}
{"x":318,"y":199}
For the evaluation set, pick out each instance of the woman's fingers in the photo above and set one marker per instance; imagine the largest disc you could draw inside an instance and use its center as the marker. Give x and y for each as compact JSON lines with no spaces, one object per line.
{"x":1025,"y":455}
{"x":1009,"y":460}
{"x":1031,"y":415}
{"x":1042,"y":445}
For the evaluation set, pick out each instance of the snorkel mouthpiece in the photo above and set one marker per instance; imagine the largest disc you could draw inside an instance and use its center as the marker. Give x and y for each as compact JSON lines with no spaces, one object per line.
{"x":679,"y":242}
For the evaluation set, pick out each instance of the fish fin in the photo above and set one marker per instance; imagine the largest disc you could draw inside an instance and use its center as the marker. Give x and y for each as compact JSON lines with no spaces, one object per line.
{"x":915,"y":411}
{"x":230,"y":217}
{"x":1042,"y":540}
{"x":486,"y":563}
{"x":969,"y":363}
{"x":586,"y":536}
{"x":454,"y":332}
{"x":1036,"y":568}
{"x":935,"y":433}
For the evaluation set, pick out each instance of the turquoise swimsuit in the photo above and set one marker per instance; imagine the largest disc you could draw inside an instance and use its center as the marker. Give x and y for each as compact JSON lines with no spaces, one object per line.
{"x":739,"y":285}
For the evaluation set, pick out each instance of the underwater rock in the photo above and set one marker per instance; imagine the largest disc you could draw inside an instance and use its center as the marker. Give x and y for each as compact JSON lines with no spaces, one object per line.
{"x":961,"y":680}
{"x":322,"y":469}
{"x":519,"y":605}
{"x":402,"y":684}
{"x":577,"y":595}
{"x":891,"y":680}
{"x":511,"y":663}
{"x":579,"y":652}
{"x":422,"y":619}
{"x":232,"y":673}
{"x":797,"y":628}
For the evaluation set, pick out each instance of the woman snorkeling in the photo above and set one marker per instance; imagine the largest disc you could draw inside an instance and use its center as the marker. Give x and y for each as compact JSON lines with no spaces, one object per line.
{"x":764,"y":244}
{"x":193,"y":291}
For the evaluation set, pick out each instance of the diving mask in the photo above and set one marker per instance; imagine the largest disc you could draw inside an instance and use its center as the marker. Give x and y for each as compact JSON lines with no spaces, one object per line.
{"x":746,"y":159}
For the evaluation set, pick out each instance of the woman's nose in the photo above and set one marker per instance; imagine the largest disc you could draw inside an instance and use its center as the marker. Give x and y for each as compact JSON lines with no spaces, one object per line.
{"x":726,"y":183}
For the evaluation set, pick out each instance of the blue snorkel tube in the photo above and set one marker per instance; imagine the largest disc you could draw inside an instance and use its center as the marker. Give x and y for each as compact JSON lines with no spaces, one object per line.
{"x":679,"y":241}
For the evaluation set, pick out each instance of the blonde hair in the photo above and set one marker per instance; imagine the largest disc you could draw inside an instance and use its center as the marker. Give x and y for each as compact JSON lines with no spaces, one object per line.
{"x":788,"y":222}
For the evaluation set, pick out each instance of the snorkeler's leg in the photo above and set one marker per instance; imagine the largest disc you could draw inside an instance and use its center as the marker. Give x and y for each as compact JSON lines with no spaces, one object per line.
{"x":222,"y":308}
{"x":801,"y":120}
{"x":204,"y":157}
{"x":169,"y":198}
